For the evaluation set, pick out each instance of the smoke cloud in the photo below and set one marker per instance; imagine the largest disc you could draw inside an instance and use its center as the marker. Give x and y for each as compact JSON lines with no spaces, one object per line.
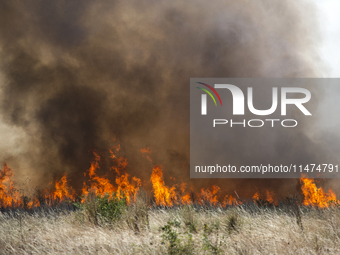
{"x":74,"y":75}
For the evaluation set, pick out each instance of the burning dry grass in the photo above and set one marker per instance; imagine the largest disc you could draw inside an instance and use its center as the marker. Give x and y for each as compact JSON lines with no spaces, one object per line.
{"x":116,"y":216}
{"x":247,"y":229}
{"x":127,"y":187}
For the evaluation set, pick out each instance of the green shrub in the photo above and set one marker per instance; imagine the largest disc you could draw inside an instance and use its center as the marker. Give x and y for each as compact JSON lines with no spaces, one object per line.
{"x":102,"y":209}
{"x":111,"y":209}
{"x":210,"y":245}
{"x":171,"y":236}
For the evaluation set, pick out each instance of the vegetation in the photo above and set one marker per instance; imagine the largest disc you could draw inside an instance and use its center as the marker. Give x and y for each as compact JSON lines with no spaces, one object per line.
{"x":106,"y":225}
{"x":99,"y":210}
{"x":173,"y":239}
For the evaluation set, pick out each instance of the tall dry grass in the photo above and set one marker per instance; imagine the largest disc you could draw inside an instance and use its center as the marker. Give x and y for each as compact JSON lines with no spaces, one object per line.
{"x":247,"y":229}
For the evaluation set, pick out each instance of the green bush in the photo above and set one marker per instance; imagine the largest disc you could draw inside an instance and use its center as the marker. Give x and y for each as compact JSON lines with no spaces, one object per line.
{"x":111,"y":209}
{"x":171,"y":236}
{"x":102,"y":209}
{"x":210,"y":245}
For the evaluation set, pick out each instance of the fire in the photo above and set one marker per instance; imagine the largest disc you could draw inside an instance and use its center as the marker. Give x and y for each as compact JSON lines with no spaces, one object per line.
{"x":120,"y":184}
{"x":186,"y":197}
{"x":163,"y":195}
{"x":316,"y":196}
{"x":125,"y":187}
{"x":230,"y":200}
{"x":34,"y":203}
{"x":209,"y":196}
{"x":120,"y":162}
{"x":99,"y":185}
{"x":62,"y":191}
{"x":256,"y":196}
{"x":9,"y":196}
{"x":269,"y":197}
{"x":146,"y":153}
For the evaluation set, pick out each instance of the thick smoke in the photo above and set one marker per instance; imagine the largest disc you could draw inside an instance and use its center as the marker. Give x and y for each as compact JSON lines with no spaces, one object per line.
{"x":76,"y":74}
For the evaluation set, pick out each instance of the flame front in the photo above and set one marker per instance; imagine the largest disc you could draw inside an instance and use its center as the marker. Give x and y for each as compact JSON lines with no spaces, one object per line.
{"x":163,"y":195}
{"x":99,"y":185}
{"x":62,"y":191}
{"x":209,"y":195}
{"x":9,"y":196}
{"x":316,"y":196}
{"x":126,"y":186}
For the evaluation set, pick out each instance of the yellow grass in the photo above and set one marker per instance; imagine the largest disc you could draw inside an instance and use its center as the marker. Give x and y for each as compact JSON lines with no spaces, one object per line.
{"x":256,"y":231}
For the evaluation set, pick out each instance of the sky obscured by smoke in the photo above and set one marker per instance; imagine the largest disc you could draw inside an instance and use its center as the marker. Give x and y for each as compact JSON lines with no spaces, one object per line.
{"x":75,"y":75}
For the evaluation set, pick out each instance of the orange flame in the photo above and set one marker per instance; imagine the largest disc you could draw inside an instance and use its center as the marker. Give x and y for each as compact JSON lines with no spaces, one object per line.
{"x":230,"y":200}
{"x":62,"y":191}
{"x":146,"y":153}
{"x":256,"y":197}
{"x":270,"y":197}
{"x":120,"y":162}
{"x":163,"y":195}
{"x":209,"y":195}
{"x":316,"y":196}
{"x":9,"y":196}
{"x":185,"y":198}
{"x":99,"y":185}
{"x":123,"y":185}
{"x":126,"y":187}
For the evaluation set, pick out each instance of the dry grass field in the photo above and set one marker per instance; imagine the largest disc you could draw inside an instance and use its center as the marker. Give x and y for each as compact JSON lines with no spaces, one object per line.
{"x":246,"y":229}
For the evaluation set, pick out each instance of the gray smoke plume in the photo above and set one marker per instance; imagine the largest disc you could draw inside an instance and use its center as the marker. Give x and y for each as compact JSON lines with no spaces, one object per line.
{"x":77,"y":74}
